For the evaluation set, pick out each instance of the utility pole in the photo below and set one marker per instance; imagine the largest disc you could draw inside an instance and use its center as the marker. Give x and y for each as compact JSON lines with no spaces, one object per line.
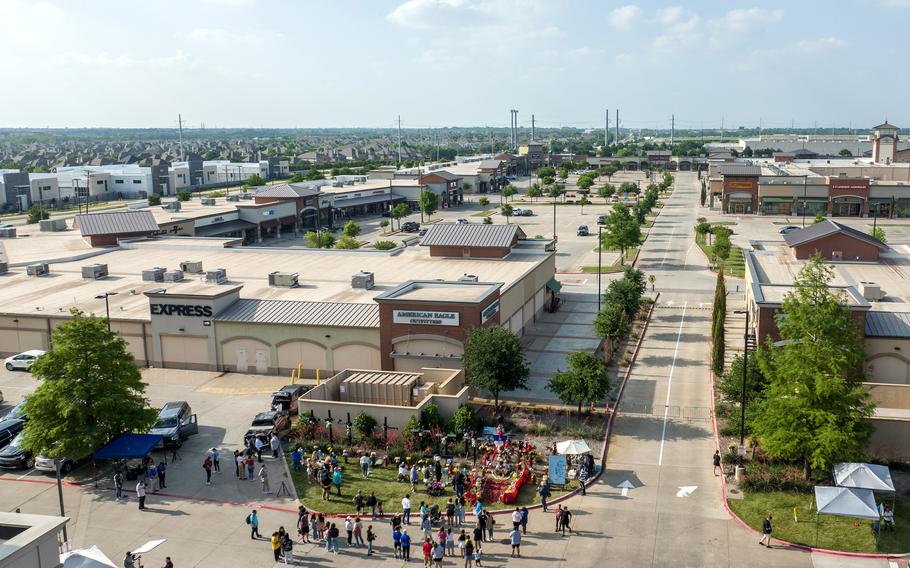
{"x":606,"y":129}
{"x":760,"y":125}
{"x":532,"y":127}
{"x":437,"y":146}
{"x":617,"y":126}
{"x":491,"y":140}
{"x":399,"y":140}
{"x":672,"y":127}
{"x":180,"y":130}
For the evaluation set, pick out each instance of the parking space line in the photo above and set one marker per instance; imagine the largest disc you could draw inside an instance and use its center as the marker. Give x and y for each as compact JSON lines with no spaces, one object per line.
{"x":663,"y":433}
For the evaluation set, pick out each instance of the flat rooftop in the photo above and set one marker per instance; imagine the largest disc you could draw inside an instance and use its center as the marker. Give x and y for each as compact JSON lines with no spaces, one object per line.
{"x":370,"y":185}
{"x":192,"y":209}
{"x":32,"y":245}
{"x":325,"y":276}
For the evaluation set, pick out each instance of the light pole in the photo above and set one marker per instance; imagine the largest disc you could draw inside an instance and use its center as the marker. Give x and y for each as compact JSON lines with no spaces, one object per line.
{"x":804,"y":202}
{"x":60,"y":498}
{"x":107,"y":306}
{"x":600,"y":248}
{"x":742,"y":406}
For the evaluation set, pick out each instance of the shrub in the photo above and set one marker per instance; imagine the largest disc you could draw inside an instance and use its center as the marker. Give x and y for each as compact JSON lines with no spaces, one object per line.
{"x":347,"y":242}
{"x":487,"y":221}
{"x":465,"y":418}
{"x":351,"y":229}
{"x":384,"y":245}
{"x":218,"y":194}
{"x":183,"y":195}
{"x":155,"y":199}
{"x":483,"y":201}
{"x":775,"y":477}
{"x":321,"y":240}
{"x":37,"y":213}
{"x":430,"y":417}
{"x":364,"y":424}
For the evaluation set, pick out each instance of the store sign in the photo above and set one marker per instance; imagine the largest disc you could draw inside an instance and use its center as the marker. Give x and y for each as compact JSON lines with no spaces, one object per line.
{"x":181,"y":310}
{"x":852,"y":186}
{"x":489,"y":312}
{"x":415,"y":317}
{"x":738,"y":184}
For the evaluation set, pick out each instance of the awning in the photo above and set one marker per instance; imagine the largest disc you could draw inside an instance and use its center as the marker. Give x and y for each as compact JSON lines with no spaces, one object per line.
{"x":573,"y":447}
{"x":128,"y":447}
{"x":863,"y":476}
{"x":343,"y":203}
{"x":553,"y":285}
{"x":846,"y":502}
{"x":219,"y":229}
{"x":777,"y":200}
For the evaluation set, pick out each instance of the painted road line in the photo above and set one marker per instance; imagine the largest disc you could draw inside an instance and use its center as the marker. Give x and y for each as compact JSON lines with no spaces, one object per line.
{"x":686,"y":490}
{"x":663,"y":433}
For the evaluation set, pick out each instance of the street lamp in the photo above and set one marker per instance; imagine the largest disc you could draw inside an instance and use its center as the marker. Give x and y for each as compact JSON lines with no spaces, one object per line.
{"x":57,"y":465}
{"x":107,"y":306}
{"x":600,"y":248}
{"x":742,"y":406}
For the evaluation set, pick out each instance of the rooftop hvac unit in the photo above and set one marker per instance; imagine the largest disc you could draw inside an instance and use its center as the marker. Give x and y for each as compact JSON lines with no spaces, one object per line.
{"x":8,"y":233}
{"x":51,"y":225}
{"x":283,"y":279}
{"x":216,"y":276}
{"x":468,"y":278}
{"x":153,"y":274}
{"x":175,"y":275}
{"x":4,"y":268}
{"x":208,"y":200}
{"x":362,"y":280}
{"x":232,"y":197}
{"x":39,"y":269}
{"x":191,"y":266}
{"x":246,"y":195}
{"x":871,"y":291}
{"x":171,"y":206}
{"x":94,"y":271}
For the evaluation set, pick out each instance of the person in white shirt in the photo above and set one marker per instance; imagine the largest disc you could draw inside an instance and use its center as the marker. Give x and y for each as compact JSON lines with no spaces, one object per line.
{"x":140,"y":492}
{"x":365,"y":465}
{"x":516,"y":518}
{"x":406,"y":508}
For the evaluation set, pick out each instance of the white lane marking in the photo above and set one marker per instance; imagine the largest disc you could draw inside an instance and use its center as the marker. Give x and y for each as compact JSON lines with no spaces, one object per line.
{"x":625,"y":486}
{"x":27,"y":473}
{"x":686,"y":490}
{"x":663,"y":433}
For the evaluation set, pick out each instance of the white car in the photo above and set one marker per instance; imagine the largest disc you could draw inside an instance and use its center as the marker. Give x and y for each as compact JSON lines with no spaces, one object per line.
{"x":22,"y":361}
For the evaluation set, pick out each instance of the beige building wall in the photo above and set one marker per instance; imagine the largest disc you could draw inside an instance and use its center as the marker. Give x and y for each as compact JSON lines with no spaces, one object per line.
{"x":891,"y":439}
{"x":888,"y":360}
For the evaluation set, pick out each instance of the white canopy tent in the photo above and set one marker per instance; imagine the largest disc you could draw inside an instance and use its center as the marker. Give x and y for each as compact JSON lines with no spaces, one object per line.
{"x":573,"y":447}
{"x":91,"y":557}
{"x":844,"y":502}
{"x":863,"y":476}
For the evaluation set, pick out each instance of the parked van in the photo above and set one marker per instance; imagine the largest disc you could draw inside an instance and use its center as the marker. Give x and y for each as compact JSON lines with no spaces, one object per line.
{"x":176,"y":422}
{"x":286,"y":398}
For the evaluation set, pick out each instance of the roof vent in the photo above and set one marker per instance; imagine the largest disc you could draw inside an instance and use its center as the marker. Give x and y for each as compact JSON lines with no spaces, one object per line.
{"x":283,"y":279}
{"x":7,"y":232}
{"x":38,"y":269}
{"x":171,"y":206}
{"x":232,"y":197}
{"x":362,"y":280}
{"x":207,"y":200}
{"x":246,"y":195}
{"x":871,"y":291}
{"x":153,"y":274}
{"x":173,"y":276}
{"x":191,"y":266}
{"x":94,"y":271}
{"x":468,"y":278}
{"x":216,"y":276}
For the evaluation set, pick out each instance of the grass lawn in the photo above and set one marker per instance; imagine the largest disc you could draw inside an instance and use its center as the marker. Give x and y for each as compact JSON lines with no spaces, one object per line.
{"x":647,"y":224}
{"x":836,"y":533}
{"x":603,"y":269}
{"x":724,"y":223}
{"x":387,"y":490}
{"x":486,"y":213}
{"x":735,"y":265}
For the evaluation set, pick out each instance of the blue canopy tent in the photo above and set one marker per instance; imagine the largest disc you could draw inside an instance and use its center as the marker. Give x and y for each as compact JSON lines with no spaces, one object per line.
{"x":128,"y":447}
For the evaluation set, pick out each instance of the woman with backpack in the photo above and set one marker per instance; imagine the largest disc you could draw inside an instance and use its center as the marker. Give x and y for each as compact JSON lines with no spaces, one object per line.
{"x":207,"y":466}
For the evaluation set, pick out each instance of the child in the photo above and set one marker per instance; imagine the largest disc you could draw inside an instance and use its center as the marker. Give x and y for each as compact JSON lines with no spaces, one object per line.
{"x":477,"y":556}
{"x":379,"y":507}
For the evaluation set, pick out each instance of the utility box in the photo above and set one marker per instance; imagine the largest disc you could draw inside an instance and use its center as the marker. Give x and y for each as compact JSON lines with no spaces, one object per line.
{"x":94,"y":271}
{"x":871,"y":291}
{"x":283,"y":279}
{"x":232,"y":197}
{"x":246,"y":195}
{"x":4,"y":267}
{"x":8,"y":233}
{"x":191,"y":266}
{"x":216,"y":276}
{"x":468,"y":278}
{"x":153,"y":274}
{"x":362,"y":280}
{"x":37,"y":269}
{"x":51,"y":225}
{"x":173,"y":276}
{"x":207,"y":200}
{"x":171,"y":206}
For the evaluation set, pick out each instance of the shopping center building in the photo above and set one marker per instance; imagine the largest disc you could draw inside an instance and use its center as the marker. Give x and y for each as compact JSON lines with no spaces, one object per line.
{"x":208,"y":303}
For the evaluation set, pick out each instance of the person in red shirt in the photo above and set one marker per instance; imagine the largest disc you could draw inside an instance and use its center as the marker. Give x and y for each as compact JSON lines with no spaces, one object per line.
{"x":427,"y":552}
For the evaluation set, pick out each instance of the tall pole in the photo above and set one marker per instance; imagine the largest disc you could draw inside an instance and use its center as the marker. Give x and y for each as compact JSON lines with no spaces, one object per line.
{"x":554,"y":217}
{"x":617,"y":126}
{"x":672,"y":127}
{"x":437,"y":146}
{"x":60,"y":499}
{"x":532,"y":127}
{"x":606,"y":130}
{"x":600,"y":247}
{"x":399,"y":140}
{"x":107,"y":310}
{"x":804,"y":202}
{"x":180,"y":130}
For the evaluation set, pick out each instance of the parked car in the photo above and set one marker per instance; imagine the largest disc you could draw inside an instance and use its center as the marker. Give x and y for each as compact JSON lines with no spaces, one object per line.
{"x":9,"y":429}
{"x":512,"y":178}
{"x":49,"y":465}
{"x":285,"y":398}
{"x":523,"y":213}
{"x":788,"y":229}
{"x":23,"y":361}
{"x":601,"y":219}
{"x":176,"y":422}
{"x":582,"y":231}
{"x":563,"y":181}
{"x":462,"y":222}
{"x":1,"y":396}
{"x":17,"y":411}
{"x":265,"y":423}
{"x":13,"y":456}
{"x":422,"y":231}
{"x":410,"y":226}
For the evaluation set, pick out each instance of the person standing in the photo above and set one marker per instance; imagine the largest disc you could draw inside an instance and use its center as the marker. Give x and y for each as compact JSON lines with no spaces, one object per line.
{"x":129,"y":560}
{"x":414,"y":478}
{"x":396,"y":540}
{"x":365,"y":465}
{"x":371,"y":503}
{"x":516,"y":518}
{"x":515,"y":539}
{"x":140,"y":493}
{"x":152,"y":473}
{"x":406,"y":508}
{"x":349,"y":528}
{"x":716,"y":461}
{"x":264,"y":479}
{"x":250,"y":468}
{"x":296,"y":458}
{"x":405,"y":545}
{"x":583,"y":478}
{"x":258,"y":444}
{"x":167,"y":562}
{"x":303,"y":525}
{"x":558,"y":518}
{"x":766,"y":532}
{"x":482,"y":519}
{"x":459,"y":511}
{"x":478,"y":536}
{"x":371,"y":536}
{"x":468,"y":553}
{"x":253,"y":520}
{"x":162,"y":472}
{"x":118,"y":484}
{"x":207,"y":466}
{"x":287,"y":546}
{"x":450,"y":542}
{"x":216,"y":460}
{"x":275,"y":444}
{"x":491,"y":522}
{"x":524,"y":520}
{"x":544,"y":492}
{"x":439,"y":552}
{"x":566,"y":520}
{"x":336,"y":480}
{"x":358,"y":531}
{"x":450,"y":512}
{"x":427,"y":548}
{"x":237,"y":464}
{"x":276,"y":546}
{"x":333,"y":533}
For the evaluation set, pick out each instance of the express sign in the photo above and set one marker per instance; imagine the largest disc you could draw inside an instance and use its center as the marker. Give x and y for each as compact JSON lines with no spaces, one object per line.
{"x":414,"y":317}
{"x":181,"y":310}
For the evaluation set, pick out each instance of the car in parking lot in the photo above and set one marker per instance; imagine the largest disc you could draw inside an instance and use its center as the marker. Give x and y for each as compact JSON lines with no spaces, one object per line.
{"x":788,"y":229}
{"x":562,"y":181}
{"x":266,"y":423}
{"x":14,"y":456}
{"x":286,"y":397}
{"x":410,"y":226}
{"x":176,"y":422}
{"x":582,"y":231}
{"x":524,"y":212}
{"x":22,"y":361}
{"x":422,"y":231}
{"x":601,"y":219}
{"x":9,"y":428}
{"x":462,"y":221}
{"x":17,"y":411}
{"x":49,"y":465}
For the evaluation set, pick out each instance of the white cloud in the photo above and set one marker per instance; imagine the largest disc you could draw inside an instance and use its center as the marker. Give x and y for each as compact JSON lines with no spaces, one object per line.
{"x":895,"y":3}
{"x":819,"y":44}
{"x":220,"y":36}
{"x":122,"y":60}
{"x":580,"y":52}
{"x":227,"y":2}
{"x":425,"y":13}
{"x":441,"y":58}
{"x":208,"y":34}
{"x":743,"y":19}
{"x":669,"y":15}
{"x":623,"y":17}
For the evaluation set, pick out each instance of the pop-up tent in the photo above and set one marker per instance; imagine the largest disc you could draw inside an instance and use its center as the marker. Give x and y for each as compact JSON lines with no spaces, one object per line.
{"x":128,"y":447}
{"x":863,"y":476}
{"x":91,"y":557}
{"x":573,"y":447}
{"x":844,"y":502}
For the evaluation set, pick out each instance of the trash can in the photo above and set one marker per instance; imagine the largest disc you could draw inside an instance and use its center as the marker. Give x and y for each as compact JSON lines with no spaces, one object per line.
{"x":738,"y":473}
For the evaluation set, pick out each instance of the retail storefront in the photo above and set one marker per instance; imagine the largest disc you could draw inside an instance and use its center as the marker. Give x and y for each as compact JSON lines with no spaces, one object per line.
{"x":777,"y":205}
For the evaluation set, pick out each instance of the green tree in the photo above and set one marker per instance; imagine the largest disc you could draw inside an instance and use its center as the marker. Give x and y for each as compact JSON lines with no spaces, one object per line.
{"x":554,"y":191}
{"x":254,"y":180}
{"x":384,"y":225}
{"x":429,"y":203}
{"x":183,"y":195}
{"x":606,"y":191}
{"x":90,"y":391}
{"x":313,"y":174}
{"x":351,"y":229}
{"x":154,"y":199}
{"x":430,"y":417}
{"x":585,"y":381}
{"x":483,"y":201}
{"x":546,"y":171}
{"x":722,"y":245}
{"x":36,"y":213}
{"x":879,"y":233}
{"x":621,"y":230}
{"x":347,"y":242}
{"x":534,"y":191}
{"x":845,"y":152}
{"x":323,"y":239}
{"x":815,"y":409}
{"x":819,"y":217}
{"x":509,"y":191}
{"x":628,"y":187}
{"x":584,"y":182}
{"x":730,"y":386}
{"x":582,"y":202}
{"x":296,"y":178}
{"x":704,"y":194}
{"x":494,"y":360}
{"x":506,"y":211}
{"x":612,"y":323}
{"x":400,"y":211}
{"x":364,"y":425}
{"x":627,"y":291}
{"x":464,"y":419}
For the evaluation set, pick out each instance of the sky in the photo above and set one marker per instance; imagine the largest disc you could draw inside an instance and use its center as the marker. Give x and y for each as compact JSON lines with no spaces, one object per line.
{"x":437,"y":63}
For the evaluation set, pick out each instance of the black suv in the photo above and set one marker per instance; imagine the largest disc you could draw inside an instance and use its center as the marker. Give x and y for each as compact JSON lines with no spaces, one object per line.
{"x":265,"y":423}
{"x":13,"y":456}
{"x":286,"y":398}
{"x":8,"y":430}
{"x":410,"y":226}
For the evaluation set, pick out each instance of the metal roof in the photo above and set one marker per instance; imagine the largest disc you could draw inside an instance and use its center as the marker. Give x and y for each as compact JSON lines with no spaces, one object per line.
{"x":380,"y":377}
{"x":448,"y":176}
{"x":352,"y":201}
{"x":739,"y":170}
{"x":331,"y":314}
{"x":286,"y":191}
{"x":117,"y":223}
{"x":490,"y":164}
{"x":887,"y":324}
{"x":827,"y":228}
{"x":219,"y":229}
{"x":885,"y":125}
{"x":471,"y":235}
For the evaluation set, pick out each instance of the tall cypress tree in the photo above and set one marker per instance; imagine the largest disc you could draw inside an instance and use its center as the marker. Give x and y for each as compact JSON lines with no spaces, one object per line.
{"x":717,"y":329}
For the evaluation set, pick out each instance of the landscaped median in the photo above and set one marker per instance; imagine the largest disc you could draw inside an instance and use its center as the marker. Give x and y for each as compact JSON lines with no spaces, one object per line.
{"x":734,"y":264}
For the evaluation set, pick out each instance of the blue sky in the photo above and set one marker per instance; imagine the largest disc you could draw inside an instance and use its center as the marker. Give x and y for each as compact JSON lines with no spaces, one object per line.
{"x":453,"y":62}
